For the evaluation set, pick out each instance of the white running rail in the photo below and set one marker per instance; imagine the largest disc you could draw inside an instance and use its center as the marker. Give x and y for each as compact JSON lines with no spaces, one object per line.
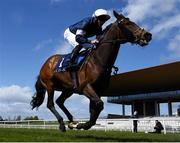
{"x":144,"y":125}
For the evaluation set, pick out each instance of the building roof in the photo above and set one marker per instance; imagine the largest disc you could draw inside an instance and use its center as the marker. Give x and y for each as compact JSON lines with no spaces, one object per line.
{"x":154,"y":79}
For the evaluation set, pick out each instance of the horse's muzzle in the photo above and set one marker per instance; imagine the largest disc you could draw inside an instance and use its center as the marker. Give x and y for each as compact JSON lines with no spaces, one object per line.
{"x":148,"y":36}
{"x":146,"y":39}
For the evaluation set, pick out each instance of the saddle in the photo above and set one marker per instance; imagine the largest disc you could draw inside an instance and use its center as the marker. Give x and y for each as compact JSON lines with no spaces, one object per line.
{"x":63,"y":64}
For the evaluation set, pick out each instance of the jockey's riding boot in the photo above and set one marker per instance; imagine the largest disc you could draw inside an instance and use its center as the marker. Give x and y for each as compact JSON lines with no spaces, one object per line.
{"x":74,"y":79}
{"x":74,"y":55}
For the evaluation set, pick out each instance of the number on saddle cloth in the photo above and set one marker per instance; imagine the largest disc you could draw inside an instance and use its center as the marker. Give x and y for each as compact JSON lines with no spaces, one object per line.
{"x":63,"y":64}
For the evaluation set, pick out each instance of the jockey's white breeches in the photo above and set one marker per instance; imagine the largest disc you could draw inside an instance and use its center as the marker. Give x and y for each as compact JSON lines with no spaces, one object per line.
{"x":70,"y":37}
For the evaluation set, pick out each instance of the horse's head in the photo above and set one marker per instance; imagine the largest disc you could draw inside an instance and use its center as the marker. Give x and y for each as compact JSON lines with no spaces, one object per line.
{"x":131,"y":31}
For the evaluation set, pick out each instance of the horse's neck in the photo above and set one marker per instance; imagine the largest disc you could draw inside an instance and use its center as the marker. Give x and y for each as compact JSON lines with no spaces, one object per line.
{"x":108,"y":50}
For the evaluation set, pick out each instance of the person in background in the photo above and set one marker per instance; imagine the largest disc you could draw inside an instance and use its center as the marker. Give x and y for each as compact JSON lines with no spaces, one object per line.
{"x":158,"y":127}
{"x":178,"y":111}
{"x":135,"y":121}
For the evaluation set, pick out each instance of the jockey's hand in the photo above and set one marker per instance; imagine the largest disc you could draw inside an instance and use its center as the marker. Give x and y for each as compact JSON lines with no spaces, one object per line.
{"x":94,"y":47}
{"x":95,"y":42}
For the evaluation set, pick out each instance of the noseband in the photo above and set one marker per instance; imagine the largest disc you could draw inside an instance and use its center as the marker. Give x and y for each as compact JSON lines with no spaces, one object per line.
{"x":139,"y":34}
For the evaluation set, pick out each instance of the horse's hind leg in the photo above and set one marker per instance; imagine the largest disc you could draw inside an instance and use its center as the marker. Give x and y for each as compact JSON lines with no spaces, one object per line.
{"x":60,"y":102}
{"x":95,"y":108}
{"x":50,"y":106}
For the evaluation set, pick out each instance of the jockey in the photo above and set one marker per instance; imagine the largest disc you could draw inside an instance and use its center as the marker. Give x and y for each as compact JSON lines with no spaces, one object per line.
{"x":77,"y":34}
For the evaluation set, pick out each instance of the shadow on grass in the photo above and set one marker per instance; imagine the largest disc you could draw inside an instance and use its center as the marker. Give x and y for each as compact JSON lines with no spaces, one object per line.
{"x":112,"y":139}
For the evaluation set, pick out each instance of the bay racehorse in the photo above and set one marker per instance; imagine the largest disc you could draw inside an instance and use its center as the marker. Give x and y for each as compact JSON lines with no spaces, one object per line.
{"x":94,"y":74}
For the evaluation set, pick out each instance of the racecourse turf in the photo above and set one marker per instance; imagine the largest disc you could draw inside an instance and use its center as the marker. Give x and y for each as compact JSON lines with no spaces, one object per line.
{"x":51,"y":135}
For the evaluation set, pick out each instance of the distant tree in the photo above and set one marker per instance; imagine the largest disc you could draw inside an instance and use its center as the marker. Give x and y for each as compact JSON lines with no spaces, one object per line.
{"x":31,"y":118}
{"x":36,"y":118}
{"x":18,"y":118}
{"x":1,"y":119}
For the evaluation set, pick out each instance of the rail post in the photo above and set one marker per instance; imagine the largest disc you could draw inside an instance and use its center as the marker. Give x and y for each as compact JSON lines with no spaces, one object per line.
{"x":164,"y":127}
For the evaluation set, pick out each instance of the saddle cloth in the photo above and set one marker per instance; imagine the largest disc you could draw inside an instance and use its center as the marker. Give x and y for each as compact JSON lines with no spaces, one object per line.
{"x":63,"y":63}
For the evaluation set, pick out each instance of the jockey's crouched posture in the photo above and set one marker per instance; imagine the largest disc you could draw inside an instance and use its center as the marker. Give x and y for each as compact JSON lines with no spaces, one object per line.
{"x":77,"y":34}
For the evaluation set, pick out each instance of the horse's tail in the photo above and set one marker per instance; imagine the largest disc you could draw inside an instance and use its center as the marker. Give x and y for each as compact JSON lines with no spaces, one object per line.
{"x":38,"y":97}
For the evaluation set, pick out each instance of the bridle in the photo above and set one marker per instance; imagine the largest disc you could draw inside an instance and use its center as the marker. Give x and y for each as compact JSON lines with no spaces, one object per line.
{"x":113,"y":42}
{"x":138,"y":33}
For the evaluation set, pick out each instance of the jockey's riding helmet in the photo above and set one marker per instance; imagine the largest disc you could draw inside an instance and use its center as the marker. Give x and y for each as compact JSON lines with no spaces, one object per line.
{"x":101,"y":14}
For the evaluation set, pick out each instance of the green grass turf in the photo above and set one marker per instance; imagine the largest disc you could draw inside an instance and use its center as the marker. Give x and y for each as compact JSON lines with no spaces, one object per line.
{"x":45,"y":135}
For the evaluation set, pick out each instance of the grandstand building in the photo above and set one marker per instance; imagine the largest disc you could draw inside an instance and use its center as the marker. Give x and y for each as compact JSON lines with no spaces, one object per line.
{"x":145,"y":89}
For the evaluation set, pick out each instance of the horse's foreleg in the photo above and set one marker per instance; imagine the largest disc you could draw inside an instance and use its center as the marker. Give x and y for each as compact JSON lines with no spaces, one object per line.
{"x":50,"y":106}
{"x":95,"y":109}
{"x":60,"y":102}
{"x":96,"y":106}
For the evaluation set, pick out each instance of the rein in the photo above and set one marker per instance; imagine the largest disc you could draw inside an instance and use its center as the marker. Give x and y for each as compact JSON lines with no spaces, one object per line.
{"x":116,"y":41}
{"x":113,"y":41}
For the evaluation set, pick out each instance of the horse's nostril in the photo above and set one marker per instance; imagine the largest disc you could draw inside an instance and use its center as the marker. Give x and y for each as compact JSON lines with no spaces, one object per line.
{"x":148,"y":36}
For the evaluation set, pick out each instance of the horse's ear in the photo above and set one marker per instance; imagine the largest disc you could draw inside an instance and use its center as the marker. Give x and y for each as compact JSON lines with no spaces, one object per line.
{"x":115,"y":14}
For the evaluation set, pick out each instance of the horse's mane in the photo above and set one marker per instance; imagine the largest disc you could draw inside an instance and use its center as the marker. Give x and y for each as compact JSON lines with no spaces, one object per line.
{"x":100,"y":38}
{"x":107,"y":28}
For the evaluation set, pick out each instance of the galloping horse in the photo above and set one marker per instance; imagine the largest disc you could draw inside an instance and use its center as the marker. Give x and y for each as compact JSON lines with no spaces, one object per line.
{"x":94,"y":74}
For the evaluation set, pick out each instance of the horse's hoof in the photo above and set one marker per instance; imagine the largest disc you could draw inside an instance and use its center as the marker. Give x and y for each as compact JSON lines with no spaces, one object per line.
{"x":83,"y":126}
{"x":79,"y":126}
{"x":86,"y":127}
{"x":72,"y":125}
{"x":62,"y":128}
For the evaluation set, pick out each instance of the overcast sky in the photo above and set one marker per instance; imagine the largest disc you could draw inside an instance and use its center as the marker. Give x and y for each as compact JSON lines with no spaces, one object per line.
{"x":32,"y":30}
